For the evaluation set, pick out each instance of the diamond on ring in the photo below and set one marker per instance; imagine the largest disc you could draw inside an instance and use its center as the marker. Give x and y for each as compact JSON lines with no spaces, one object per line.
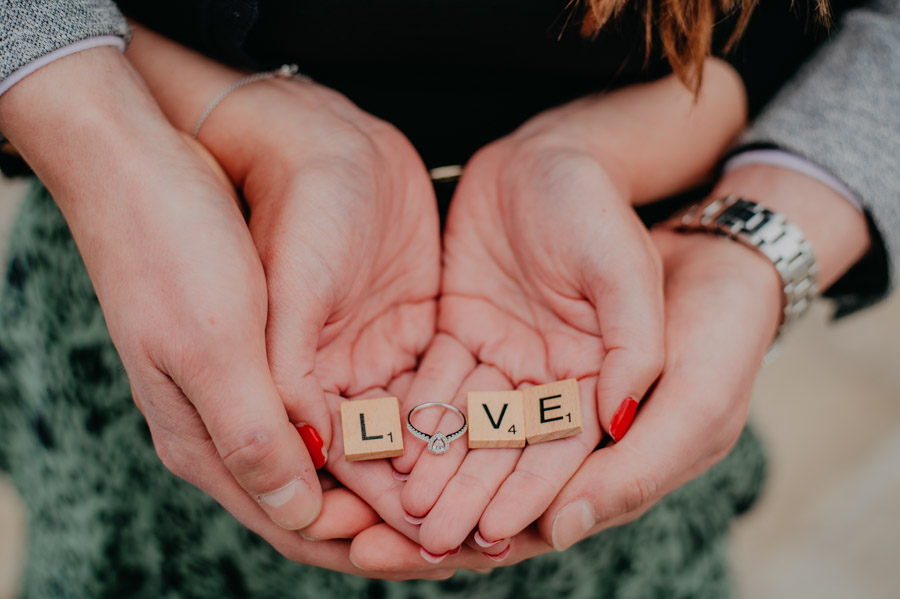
{"x":438,"y":443}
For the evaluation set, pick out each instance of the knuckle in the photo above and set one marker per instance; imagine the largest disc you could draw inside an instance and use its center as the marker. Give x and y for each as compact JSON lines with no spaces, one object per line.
{"x":472,"y":485}
{"x":251,"y":456}
{"x":638,"y":490}
{"x":654,"y":357}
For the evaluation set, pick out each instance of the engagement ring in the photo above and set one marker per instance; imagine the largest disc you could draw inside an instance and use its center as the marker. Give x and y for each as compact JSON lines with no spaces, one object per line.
{"x":438,"y":443}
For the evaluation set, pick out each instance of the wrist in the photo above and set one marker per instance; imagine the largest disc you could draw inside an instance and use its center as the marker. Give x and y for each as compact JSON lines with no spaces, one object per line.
{"x":83,"y":122}
{"x":655,"y":139}
{"x":836,"y":230}
{"x":181,"y":80}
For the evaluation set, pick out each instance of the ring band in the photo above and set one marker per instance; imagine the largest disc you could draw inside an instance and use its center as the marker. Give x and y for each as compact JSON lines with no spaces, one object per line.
{"x":438,"y":443}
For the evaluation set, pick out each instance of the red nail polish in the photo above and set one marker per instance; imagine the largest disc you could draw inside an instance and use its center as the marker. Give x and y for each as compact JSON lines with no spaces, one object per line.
{"x":455,"y":551}
{"x":621,"y":422}
{"x":314,"y":444}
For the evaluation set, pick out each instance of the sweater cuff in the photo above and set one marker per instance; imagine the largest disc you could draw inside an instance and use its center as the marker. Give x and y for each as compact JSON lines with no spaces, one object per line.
{"x":85,"y":44}
{"x":32,"y":29}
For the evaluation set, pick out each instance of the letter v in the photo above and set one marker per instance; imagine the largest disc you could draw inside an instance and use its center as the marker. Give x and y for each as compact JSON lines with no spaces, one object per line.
{"x":496,"y":425}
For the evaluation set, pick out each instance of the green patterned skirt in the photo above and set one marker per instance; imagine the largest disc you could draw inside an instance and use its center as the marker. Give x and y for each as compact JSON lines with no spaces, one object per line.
{"x":106,"y":519}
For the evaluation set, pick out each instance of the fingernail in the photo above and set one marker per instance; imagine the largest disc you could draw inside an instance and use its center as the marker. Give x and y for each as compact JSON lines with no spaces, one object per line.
{"x":401,"y":476}
{"x":353,"y":561}
{"x":499,"y":557}
{"x":572,"y":523}
{"x":314,"y":444}
{"x":305,"y":537}
{"x":413,"y":519}
{"x":622,"y":419}
{"x":291,"y":506}
{"x":455,"y":551}
{"x":482,"y":542}
{"x":431,"y":557}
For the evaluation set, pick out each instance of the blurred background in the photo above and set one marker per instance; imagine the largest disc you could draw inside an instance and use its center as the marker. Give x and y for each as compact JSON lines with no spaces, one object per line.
{"x":828,"y":408}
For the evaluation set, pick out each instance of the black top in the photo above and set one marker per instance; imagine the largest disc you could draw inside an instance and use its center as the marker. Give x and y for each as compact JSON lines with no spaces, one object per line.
{"x":455,"y":74}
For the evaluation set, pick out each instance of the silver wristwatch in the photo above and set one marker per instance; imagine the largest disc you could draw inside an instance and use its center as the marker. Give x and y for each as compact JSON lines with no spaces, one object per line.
{"x":768,"y":232}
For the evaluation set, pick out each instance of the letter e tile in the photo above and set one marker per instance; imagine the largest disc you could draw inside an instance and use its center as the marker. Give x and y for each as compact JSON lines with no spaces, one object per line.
{"x":552,"y":411}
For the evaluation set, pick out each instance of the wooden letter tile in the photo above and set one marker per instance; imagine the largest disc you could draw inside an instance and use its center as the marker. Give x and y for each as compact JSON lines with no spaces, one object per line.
{"x":496,"y":419}
{"x":371,"y":429}
{"x":552,"y":411}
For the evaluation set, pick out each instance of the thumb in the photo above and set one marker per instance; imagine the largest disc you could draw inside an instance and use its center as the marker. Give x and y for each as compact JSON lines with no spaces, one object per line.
{"x":629,"y":304}
{"x":254,"y":437}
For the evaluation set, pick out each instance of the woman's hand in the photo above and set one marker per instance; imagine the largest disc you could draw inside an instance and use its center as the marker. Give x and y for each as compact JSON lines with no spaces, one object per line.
{"x":722,"y":306}
{"x":549,"y":275}
{"x":343,"y":216}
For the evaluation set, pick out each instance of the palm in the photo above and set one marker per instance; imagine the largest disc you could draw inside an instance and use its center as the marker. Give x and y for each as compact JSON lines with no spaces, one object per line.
{"x":366,"y":254}
{"x":526,"y":251}
{"x":509,"y":291}
{"x":343,"y":217}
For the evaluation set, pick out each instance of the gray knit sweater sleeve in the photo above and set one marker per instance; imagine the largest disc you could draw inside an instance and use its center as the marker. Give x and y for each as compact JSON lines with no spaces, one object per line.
{"x":842,"y":111}
{"x":30,"y":29}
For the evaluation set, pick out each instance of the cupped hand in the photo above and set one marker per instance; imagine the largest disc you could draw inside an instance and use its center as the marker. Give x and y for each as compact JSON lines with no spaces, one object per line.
{"x":723,"y":305}
{"x":548,"y":275}
{"x":344,"y":219}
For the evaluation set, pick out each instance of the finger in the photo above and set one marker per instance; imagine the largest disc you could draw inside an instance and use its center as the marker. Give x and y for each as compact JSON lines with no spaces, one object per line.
{"x":497,"y":550}
{"x":367,"y":551}
{"x":465,"y":497}
{"x":372,"y":481}
{"x":629,"y":302}
{"x":459,"y":493}
{"x":344,"y":515}
{"x":198,"y":463}
{"x":292,"y":338}
{"x":540,"y":473}
{"x":432,"y":472}
{"x":694,"y":415}
{"x":250,"y":429}
{"x":444,"y":367}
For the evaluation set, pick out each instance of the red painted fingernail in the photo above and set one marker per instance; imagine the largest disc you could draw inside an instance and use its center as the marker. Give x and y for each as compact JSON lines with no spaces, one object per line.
{"x":455,"y":551}
{"x":314,"y":444}
{"x":431,"y":557}
{"x":484,"y":542}
{"x":499,"y":557}
{"x":413,"y":519}
{"x":623,"y":418}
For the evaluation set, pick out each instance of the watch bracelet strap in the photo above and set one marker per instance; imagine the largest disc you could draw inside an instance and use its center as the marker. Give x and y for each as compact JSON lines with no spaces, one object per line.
{"x":768,"y":232}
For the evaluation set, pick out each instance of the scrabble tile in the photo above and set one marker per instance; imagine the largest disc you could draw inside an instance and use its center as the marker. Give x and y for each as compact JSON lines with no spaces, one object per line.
{"x":552,"y":411}
{"x":371,"y":429}
{"x":496,"y":419}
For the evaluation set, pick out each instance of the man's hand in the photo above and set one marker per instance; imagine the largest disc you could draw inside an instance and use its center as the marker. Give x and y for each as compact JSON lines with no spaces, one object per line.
{"x":723,"y":304}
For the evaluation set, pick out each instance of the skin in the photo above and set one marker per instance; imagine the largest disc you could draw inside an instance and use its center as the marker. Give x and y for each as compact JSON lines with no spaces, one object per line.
{"x":289,"y":297}
{"x":722,"y":307}
{"x":183,"y":290}
{"x":548,"y":275}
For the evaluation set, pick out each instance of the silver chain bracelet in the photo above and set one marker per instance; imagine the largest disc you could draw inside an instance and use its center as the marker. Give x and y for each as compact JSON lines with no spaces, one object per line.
{"x":285,"y":71}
